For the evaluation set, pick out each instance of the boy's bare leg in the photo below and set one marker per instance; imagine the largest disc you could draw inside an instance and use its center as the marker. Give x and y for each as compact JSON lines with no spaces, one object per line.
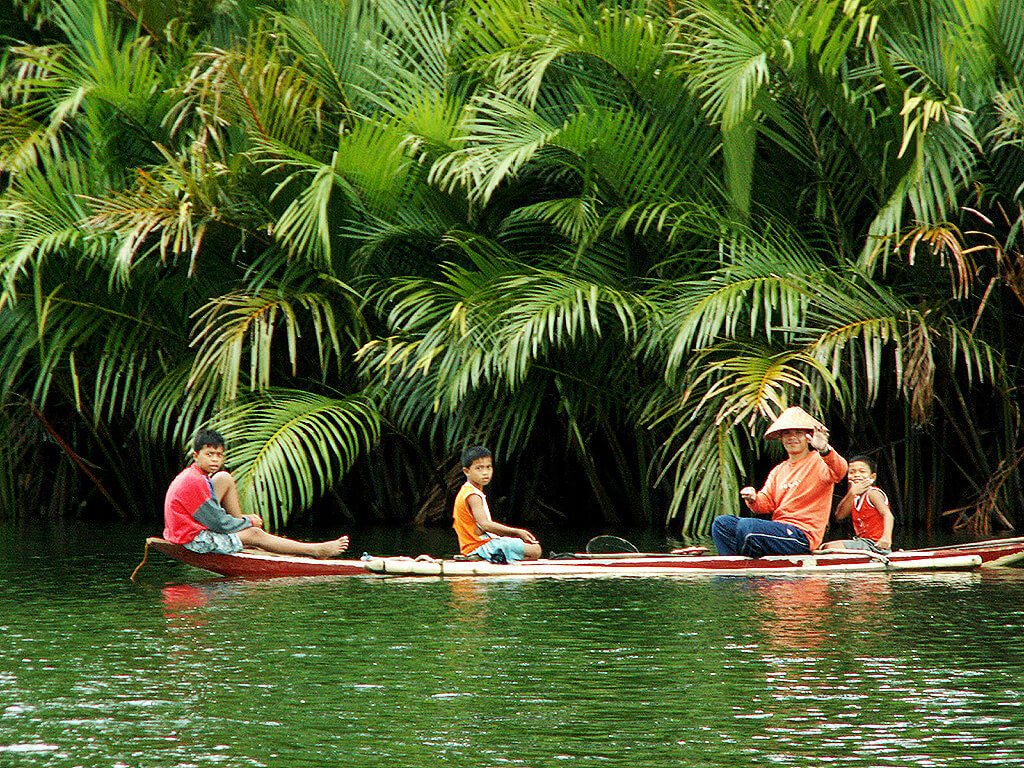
{"x":257,"y":537}
{"x":227,"y":493}
{"x":532,"y":552}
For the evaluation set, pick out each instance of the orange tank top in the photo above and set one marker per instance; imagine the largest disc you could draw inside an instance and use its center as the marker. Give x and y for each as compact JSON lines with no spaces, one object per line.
{"x":470,"y":537}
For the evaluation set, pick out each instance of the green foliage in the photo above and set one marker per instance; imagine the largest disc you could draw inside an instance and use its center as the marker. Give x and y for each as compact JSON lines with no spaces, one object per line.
{"x":610,"y":239}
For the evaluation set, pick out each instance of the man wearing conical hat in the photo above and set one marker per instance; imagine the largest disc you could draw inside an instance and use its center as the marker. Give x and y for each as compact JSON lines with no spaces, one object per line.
{"x":797,"y":494}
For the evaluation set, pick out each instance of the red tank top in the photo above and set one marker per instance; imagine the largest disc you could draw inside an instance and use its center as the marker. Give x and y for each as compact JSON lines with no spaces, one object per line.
{"x":867,"y":520}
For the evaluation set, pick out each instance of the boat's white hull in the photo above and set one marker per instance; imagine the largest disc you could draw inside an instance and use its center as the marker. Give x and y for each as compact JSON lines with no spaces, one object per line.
{"x":649,"y":566}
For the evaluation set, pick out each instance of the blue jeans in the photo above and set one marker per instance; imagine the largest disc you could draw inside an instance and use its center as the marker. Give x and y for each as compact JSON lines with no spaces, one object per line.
{"x":754,"y":537}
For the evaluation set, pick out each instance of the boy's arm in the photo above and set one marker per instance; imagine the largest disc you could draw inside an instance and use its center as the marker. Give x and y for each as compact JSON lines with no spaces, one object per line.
{"x":845,"y":506}
{"x":211,"y":514}
{"x":877,"y":498}
{"x":486,"y":524}
{"x":856,"y":490}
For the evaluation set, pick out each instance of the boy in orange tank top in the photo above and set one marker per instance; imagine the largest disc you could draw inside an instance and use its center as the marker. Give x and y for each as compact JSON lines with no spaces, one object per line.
{"x":479,"y":536}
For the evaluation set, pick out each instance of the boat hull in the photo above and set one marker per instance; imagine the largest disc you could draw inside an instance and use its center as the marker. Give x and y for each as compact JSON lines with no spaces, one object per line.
{"x":263,"y":565}
{"x":257,"y":565}
{"x":670,"y":566}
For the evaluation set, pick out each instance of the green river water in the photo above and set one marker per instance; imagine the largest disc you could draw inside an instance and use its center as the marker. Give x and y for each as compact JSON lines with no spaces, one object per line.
{"x":188,"y":669}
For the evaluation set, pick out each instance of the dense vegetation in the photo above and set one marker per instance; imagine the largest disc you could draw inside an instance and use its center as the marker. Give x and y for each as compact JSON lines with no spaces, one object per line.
{"x":610,"y":239}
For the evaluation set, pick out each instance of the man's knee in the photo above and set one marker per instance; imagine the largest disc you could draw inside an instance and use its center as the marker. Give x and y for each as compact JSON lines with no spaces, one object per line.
{"x":724,"y":524}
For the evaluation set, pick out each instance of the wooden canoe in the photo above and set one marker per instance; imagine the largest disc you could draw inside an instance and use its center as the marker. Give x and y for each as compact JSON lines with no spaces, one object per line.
{"x":257,"y":564}
{"x":254,"y":564}
{"x":670,"y":565}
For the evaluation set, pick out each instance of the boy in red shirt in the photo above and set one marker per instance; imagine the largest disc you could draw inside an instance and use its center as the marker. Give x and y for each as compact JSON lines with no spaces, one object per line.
{"x":872,"y":517}
{"x":202,"y":510}
{"x":479,"y":536}
{"x":797,"y":494}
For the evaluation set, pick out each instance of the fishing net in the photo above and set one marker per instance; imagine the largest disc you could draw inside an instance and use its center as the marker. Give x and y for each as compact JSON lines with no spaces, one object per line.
{"x":609,"y":545}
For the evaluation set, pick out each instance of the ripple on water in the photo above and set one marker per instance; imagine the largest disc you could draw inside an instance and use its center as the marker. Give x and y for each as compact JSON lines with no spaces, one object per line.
{"x":189,"y":671}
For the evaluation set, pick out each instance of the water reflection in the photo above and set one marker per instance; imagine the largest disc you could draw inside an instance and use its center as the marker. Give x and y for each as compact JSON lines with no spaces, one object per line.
{"x":835,"y":667}
{"x":866,"y":671}
{"x":794,"y":612}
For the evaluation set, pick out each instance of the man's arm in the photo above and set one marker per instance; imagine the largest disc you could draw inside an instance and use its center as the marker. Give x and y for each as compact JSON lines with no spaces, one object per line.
{"x":761,"y":502}
{"x":837,"y":465}
{"x":487,"y":525}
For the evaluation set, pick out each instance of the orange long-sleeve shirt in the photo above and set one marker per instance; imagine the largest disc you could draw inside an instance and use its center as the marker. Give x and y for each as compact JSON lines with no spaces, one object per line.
{"x":800,"y":493}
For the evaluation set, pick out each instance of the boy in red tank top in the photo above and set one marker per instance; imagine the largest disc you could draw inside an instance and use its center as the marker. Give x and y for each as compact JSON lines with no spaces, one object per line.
{"x":869,"y":506}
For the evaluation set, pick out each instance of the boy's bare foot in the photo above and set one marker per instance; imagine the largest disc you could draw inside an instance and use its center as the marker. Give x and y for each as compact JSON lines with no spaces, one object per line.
{"x":331,"y":548}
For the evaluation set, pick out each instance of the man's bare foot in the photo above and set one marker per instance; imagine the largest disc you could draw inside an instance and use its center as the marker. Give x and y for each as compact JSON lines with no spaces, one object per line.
{"x":332,"y":548}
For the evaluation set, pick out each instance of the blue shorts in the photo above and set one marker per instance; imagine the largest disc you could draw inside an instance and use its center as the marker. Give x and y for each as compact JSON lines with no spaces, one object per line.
{"x":514,"y":549}
{"x":220,"y":543}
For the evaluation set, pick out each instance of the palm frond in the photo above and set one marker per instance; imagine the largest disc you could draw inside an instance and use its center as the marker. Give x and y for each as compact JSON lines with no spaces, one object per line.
{"x":762,"y":292}
{"x":734,"y":60}
{"x":43,"y":216}
{"x":258,"y":87}
{"x":170,"y":208}
{"x":233,"y":325}
{"x":704,"y":463}
{"x":617,"y":51}
{"x":171,"y":411}
{"x":288,"y":446}
{"x":328,"y":35}
{"x":506,"y":135}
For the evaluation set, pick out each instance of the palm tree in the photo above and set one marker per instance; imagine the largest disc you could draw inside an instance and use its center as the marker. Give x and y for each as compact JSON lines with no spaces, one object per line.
{"x":608,"y":238}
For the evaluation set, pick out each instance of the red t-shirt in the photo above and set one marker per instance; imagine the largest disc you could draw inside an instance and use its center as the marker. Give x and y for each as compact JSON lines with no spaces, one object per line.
{"x":185,"y":495}
{"x":190,"y":506}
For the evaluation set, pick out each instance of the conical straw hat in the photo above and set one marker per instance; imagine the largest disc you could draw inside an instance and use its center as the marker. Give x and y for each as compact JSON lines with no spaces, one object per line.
{"x":793,"y":418}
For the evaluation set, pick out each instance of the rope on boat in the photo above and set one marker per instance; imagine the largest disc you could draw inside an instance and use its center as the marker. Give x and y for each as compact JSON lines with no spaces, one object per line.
{"x":880,"y":557}
{"x":145,"y":555}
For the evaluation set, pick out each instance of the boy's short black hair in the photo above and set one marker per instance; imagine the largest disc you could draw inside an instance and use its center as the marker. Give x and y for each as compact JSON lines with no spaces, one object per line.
{"x":207,"y":437}
{"x":473,"y":453}
{"x":872,"y":466}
